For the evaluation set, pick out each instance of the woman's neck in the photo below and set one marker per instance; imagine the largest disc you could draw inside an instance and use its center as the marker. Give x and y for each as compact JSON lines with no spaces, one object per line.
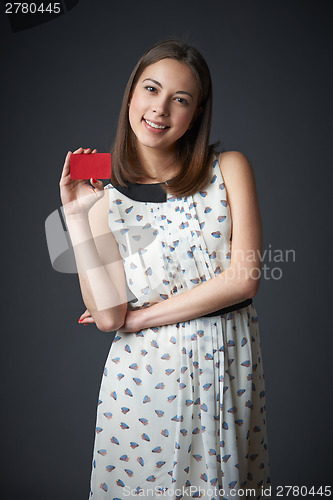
{"x":158,"y":166}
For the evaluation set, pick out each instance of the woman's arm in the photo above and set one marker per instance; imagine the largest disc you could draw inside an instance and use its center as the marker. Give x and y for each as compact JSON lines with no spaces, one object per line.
{"x":241,"y":279}
{"x":99,"y":264}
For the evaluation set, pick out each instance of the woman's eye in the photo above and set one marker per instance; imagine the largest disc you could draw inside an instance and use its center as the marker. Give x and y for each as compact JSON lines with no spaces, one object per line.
{"x":181,"y":100}
{"x":150,"y":88}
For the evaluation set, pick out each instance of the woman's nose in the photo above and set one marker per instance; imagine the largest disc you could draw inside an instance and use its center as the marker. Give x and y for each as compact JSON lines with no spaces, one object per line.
{"x":161,"y":107}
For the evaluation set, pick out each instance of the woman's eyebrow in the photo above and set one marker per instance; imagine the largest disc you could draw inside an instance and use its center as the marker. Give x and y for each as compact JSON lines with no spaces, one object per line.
{"x":160,"y":85}
{"x":154,"y":81}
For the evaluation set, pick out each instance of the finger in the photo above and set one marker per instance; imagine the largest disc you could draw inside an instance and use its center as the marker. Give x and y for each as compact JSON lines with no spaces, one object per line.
{"x":87,"y":321}
{"x":65,"y":170}
{"x":98,"y":185}
{"x":86,"y":314}
{"x":78,"y":151}
{"x":89,"y":150}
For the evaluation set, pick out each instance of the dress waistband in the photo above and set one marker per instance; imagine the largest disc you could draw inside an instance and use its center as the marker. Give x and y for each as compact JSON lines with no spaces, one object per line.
{"x":228,"y":309}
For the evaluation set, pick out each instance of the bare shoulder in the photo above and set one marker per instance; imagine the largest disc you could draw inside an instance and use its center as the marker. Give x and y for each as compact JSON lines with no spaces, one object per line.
{"x":237,"y":172}
{"x":239,"y":181}
{"x":234,"y":164}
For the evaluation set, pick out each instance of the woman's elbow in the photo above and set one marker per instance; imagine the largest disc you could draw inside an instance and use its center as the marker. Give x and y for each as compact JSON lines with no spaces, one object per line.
{"x":105,"y":327}
{"x":111,"y":323}
{"x":108,"y":327}
{"x":251,"y":287}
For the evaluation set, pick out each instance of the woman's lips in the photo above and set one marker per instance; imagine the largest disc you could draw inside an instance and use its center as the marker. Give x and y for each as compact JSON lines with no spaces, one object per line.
{"x":154,"y":126}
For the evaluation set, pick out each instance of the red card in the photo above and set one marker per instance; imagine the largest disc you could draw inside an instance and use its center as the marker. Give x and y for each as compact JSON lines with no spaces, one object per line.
{"x":86,"y":166}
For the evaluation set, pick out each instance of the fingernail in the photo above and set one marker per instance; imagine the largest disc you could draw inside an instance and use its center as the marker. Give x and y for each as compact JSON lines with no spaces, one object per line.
{"x":80,"y":320}
{"x":94,"y":180}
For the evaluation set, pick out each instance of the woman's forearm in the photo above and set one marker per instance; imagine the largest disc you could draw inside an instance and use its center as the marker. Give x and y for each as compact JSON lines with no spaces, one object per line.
{"x":224,"y":290}
{"x":98,"y":291}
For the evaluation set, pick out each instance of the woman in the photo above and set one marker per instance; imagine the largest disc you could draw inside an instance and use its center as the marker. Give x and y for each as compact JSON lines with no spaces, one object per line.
{"x":162,"y":255}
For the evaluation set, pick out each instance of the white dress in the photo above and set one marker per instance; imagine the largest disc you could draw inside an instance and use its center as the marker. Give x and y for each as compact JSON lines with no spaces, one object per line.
{"x":181,"y":411}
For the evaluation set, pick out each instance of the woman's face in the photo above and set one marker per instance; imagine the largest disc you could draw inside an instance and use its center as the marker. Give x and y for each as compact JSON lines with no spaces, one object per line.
{"x":163,"y":104}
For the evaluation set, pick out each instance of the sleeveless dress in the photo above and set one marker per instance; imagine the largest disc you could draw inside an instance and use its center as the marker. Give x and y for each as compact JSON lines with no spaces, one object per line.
{"x":181,"y":410}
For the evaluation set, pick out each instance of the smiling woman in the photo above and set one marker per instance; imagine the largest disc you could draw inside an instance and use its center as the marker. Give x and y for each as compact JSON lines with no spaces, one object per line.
{"x":159,"y":115}
{"x":193,"y":94}
{"x":182,"y":398}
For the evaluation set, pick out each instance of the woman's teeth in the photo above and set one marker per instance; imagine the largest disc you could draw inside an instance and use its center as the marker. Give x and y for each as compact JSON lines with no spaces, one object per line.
{"x":151,"y":124}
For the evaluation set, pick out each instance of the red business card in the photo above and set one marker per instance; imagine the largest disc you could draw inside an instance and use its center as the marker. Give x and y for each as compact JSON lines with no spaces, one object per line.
{"x":86,"y":166}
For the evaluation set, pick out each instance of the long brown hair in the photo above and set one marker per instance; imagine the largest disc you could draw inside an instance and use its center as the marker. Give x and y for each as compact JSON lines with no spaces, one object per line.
{"x":193,"y":150}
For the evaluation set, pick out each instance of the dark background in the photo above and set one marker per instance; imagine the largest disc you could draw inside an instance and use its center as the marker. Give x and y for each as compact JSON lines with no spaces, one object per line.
{"x":62,"y":87}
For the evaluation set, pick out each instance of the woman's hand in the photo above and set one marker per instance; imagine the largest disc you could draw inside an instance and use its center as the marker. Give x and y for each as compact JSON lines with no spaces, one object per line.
{"x":133,"y":321}
{"x":86,"y":318}
{"x":78,"y":196}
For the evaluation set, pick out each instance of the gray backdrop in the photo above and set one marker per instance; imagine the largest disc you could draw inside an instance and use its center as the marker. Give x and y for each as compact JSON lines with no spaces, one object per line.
{"x":62,"y":88}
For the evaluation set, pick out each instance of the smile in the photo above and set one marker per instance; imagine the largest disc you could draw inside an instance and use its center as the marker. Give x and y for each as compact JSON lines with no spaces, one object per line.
{"x":155,"y":125}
